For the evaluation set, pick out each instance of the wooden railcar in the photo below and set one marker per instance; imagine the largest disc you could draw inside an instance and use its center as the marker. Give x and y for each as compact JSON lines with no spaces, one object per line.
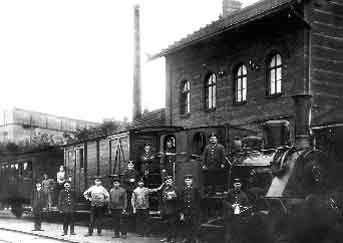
{"x":19,"y":172}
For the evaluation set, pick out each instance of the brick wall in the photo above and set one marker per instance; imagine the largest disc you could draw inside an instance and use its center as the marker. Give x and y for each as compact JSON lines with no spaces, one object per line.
{"x":221,"y":54}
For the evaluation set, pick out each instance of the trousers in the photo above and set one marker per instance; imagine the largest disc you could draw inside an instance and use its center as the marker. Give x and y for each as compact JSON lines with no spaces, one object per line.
{"x":171,"y":225}
{"x":142,"y":217}
{"x":68,"y":220}
{"x":37,"y":217}
{"x":95,"y":219}
{"x":119,"y":222}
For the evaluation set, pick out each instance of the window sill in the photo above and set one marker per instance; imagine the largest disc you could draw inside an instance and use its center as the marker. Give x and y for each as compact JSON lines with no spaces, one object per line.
{"x":269,"y":96}
{"x":236,"y":103}
{"x":210,"y":110}
{"x":185,"y":116}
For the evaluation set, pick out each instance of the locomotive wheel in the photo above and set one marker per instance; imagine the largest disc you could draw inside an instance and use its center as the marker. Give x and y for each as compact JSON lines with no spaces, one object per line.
{"x":17,"y":210}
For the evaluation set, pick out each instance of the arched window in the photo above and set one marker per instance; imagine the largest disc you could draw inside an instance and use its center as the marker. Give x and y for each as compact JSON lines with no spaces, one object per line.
{"x":185,"y":99}
{"x":241,"y":77}
{"x":210,"y":91}
{"x":275,"y":75}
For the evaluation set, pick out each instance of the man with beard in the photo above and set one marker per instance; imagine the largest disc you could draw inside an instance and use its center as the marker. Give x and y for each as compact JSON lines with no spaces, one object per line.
{"x":214,"y":166}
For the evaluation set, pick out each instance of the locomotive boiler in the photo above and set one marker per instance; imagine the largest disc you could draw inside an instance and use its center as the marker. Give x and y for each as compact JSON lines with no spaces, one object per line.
{"x":300,"y":201}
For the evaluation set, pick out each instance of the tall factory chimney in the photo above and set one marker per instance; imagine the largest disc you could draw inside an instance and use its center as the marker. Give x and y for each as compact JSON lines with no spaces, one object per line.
{"x":231,"y":6}
{"x":137,"y":110}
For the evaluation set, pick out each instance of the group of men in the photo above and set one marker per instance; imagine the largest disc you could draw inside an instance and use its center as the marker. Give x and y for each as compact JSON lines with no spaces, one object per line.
{"x":46,"y":190}
{"x":176,"y":205}
{"x":130,"y":196}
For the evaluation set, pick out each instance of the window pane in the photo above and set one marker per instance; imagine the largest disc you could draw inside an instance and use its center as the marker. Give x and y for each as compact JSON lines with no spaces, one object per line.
{"x":214,"y":79}
{"x":188,"y":103}
{"x":244,"y":70}
{"x":239,"y":84}
{"x":272,"y":62}
{"x":244,"y":95}
{"x":209,"y":97}
{"x":239,"y":97}
{"x":272,"y":87}
{"x":278,"y":60}
{"x":279,"y":73}
{"x":244,"y":90}
{"x":244,"y":81}
{"x":214,"y":97}
{"x":278,"y":86}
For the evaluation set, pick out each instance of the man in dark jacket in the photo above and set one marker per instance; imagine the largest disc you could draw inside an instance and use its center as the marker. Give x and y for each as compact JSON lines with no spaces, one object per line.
{"x":214,"y":165}
{"x":130,"y":179}
{"x":235,"y":202}
{"x":170,"y":208}
{"x":38,"y":201}
{"x":190,"y":209}
{"x":66,"y":205}
{"x":167,"y":163}
{"x":117,"y":206}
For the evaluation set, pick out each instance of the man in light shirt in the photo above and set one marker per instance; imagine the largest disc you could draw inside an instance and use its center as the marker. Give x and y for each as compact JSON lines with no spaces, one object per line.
{"x":140,"y":206}
{"x":99,"y":197}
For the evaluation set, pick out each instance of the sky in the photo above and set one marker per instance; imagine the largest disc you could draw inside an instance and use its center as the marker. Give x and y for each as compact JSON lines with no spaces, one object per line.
{"x":74,"y":58}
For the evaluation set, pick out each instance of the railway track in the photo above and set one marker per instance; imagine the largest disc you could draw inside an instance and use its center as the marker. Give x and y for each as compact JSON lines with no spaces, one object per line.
{"x":17,"y":236}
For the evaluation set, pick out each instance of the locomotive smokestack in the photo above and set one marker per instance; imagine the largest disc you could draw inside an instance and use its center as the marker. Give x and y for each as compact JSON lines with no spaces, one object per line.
{"x":137,"y":110}
{"x":302,"y":104}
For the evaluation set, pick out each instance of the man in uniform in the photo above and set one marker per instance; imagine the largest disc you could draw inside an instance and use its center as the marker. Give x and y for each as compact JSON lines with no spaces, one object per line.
{"x":117,"y":206}
{"x":214,"y":166}
{"x":147,"y":160}
{"x":66,"y":205}
{"x":190,"y":209}
{"x":234,"y":203}
{"x":168,"y":159}
{"x":130,"y":179}
{"x":98,"y":196}
{"x":170,"y":208}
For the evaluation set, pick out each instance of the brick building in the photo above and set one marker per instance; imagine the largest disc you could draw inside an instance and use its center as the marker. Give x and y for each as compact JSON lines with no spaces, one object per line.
{"x":247,"y":67}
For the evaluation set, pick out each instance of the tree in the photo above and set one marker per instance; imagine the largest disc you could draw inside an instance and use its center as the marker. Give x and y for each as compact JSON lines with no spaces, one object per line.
{"x":106,"y":128}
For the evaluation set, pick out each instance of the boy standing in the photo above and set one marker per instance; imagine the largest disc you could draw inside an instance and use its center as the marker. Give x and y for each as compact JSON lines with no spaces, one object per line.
{"x":190,"y":209}
{"x":38,"y":202}
{"x":66,"y":205}
{"x":117,"y":206}
{"x":140,"y":206}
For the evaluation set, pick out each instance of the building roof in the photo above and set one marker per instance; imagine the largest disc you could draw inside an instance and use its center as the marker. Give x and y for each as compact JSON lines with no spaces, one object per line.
{"x":241,"y":17}
{"x":152,"y":118}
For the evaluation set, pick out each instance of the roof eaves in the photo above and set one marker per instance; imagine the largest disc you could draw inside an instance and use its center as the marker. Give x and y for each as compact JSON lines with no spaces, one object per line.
{"x":221,"y":26}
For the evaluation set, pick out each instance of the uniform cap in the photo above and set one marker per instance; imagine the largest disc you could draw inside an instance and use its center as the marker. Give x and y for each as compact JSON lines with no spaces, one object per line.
{"x":236,"y":180}
{"x":213,"y":134}
{"x":97,"y":177}
{"x":188,"y":176}
{"x":115,"y":177}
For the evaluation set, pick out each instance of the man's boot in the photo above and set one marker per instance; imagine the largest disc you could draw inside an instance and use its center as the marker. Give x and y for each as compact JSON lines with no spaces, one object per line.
{"x":72,"y":232}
